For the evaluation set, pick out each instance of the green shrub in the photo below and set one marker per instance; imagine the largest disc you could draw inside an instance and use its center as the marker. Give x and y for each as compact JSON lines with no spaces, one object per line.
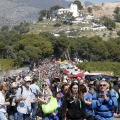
{"x":57,"y":25}
{"x":101,"y":66}
{"x":118,"y":33}
{"x":7,"y":64}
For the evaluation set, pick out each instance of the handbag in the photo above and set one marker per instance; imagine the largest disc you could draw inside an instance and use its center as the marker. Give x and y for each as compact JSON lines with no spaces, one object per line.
{"x":51,"y":106}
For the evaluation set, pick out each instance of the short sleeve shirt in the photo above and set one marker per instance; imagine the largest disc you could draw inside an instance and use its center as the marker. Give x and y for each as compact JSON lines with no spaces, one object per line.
{"x":24,"y":106}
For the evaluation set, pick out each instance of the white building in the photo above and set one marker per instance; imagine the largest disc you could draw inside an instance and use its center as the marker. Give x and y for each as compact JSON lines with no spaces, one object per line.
{"x":90,"y":17}
{"x":73,"y":9}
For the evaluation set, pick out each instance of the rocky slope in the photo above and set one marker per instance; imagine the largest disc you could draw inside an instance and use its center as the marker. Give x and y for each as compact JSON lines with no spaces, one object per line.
{"x":106,"y":9}
{"x":13,"y":12}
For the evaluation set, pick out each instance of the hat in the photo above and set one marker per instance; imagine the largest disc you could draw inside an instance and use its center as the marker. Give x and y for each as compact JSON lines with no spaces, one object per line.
{"x":48,"y":81}
{"x":91,"y":82}
{"x":27,"y":78}
{"x":75,"y":81}
{"x":103,"y":79}
{"x":14,"y":85}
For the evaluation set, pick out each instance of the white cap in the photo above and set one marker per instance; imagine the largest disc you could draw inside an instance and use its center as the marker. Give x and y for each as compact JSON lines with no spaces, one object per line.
{"x":65,"y":81}
{"x":27,"y":78}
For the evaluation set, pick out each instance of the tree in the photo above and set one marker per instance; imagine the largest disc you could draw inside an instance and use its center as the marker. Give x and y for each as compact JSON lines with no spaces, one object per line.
{"x":2,"y":50}
{"x":118,"y":33}
{"x":117,"y":10}
{"x":4,"y":27}
{"x":32,"y":46}
{"x":57,"y":25}
{"x":40,"y":19}
{"x":80,"y":7}
{"x":22,"y":28}
{"x":43,"y":13}
{"x":89,"y":10}
{"x":117,"y":18}
{"x":56,"y":7}
{"x":109,"y":23}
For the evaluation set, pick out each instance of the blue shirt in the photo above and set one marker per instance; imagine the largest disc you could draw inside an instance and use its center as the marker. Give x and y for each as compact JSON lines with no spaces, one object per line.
{"x":104,"y":108}
{"x":88,"y":97}
{"x":34,"y":89}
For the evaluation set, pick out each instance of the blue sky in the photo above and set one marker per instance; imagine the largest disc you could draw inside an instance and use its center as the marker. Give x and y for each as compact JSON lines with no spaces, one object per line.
{"x":97,"y":1}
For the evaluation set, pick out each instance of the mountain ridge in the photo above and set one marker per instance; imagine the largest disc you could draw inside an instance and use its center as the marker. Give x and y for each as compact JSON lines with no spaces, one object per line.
{"x":13,"y":12}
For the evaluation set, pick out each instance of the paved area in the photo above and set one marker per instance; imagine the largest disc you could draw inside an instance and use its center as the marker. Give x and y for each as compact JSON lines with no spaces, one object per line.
{"x":116,"y":118}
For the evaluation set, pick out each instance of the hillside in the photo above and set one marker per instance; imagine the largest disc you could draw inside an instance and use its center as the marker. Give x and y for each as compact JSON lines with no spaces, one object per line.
{"x":13,"y":12}
{"x":106,"y":9}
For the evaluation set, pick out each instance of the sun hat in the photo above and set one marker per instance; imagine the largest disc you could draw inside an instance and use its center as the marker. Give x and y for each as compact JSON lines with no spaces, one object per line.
{"x":47,"y":81}
{"x":27,"y":78}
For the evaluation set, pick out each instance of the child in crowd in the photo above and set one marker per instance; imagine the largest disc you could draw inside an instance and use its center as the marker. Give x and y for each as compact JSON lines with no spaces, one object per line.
{"x":54,"y":115}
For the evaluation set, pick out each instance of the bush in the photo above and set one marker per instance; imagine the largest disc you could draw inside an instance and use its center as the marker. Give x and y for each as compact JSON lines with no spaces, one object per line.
{"x":118,"y":33}
{"x":57,"y":25}
{"x":6,"y":64}
{"x":101,"y":66}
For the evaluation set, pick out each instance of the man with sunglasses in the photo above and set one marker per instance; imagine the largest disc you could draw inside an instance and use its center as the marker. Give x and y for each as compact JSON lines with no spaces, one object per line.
{"x":103,"y":102}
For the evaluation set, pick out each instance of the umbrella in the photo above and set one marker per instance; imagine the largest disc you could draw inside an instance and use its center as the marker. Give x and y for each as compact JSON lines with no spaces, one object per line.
{"x":100,"y":77}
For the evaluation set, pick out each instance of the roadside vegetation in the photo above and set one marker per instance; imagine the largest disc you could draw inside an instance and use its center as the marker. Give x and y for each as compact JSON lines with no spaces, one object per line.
{"x":101,"y":66}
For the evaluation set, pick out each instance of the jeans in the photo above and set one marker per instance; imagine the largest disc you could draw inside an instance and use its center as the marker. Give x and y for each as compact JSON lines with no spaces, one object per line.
{"x":34,"y":107}
{"x":21,"y":116}
{"x":45,"y":117}
{"x":2,"y":116}
{"x":53,"y":118}
{"x":12,"y":115}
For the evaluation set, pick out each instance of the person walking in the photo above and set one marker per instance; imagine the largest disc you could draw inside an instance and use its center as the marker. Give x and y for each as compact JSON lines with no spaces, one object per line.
{"x":73,"y":107}
{"x":35,"y":91}
{"x":103,"y":102}
{"x":3,"y":103}
{"x":24,"y":100}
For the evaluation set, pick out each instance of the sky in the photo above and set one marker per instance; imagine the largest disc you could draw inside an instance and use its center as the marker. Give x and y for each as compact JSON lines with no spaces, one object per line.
{"x":97,"y":1}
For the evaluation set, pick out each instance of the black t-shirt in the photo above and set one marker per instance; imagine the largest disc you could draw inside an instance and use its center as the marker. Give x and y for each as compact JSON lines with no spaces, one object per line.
{"x":10,"y":107}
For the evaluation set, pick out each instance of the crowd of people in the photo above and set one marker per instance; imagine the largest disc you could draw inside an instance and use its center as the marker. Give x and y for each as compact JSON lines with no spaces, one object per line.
{"x":26,"y":96}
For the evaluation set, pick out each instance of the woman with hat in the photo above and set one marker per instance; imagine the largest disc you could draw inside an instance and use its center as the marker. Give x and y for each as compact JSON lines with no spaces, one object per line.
{"x":3,"y":103}
{"x":12,"y":108}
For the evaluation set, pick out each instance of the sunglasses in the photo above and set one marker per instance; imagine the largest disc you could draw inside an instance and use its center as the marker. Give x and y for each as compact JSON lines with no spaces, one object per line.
{"x":44,"y":85}
{"x":14,"y":88}
{"x":102,"y":85}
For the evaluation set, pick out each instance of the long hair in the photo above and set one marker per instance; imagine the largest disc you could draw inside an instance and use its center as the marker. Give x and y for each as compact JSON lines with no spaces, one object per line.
{"x":83,"y":88}
{"x":70,"y":93}
{"x":4,"y":86}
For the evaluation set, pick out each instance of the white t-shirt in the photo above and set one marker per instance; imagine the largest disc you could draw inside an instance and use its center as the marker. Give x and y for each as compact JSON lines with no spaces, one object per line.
{"x":2,"y":100}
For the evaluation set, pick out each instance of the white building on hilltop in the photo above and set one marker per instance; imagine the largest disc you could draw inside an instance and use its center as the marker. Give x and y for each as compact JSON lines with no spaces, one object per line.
{"x":73,"y":9}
